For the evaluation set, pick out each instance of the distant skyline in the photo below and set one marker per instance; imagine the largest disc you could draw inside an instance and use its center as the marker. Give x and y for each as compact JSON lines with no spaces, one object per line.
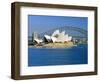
{"x":40,"y":23}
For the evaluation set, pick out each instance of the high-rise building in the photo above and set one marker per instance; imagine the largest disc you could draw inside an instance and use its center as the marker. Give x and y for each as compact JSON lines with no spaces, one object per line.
{"x":34,"y":36}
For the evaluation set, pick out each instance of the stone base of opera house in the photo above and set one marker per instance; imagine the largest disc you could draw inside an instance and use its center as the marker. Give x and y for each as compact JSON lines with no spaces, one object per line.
{"x":55,"y":45}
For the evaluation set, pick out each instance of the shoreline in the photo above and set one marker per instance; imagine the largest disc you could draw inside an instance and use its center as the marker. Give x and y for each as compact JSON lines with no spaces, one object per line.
{"x":53,"y":45}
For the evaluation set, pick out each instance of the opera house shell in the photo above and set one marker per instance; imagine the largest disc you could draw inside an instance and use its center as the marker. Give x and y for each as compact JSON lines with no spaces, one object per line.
{"x":58,"y":37}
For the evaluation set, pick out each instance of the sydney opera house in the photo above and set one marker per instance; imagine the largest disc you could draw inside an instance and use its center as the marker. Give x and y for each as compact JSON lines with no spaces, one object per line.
{"x":56,"y":37}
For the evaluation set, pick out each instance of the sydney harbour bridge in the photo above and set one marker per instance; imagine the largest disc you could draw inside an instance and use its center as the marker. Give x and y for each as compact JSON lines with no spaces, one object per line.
{"x":76,"y":32}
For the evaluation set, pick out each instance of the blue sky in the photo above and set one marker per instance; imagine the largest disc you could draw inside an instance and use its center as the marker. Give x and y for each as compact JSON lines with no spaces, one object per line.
{"x":41,"y":23}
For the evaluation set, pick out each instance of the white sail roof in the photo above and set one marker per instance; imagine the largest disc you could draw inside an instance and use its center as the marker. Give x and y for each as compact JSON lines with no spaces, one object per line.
{"x":47,"y":36}
{"x":55,"y":33}
{"x":63,"y":33}
{"x":54,"y":39}
{"x":38,"y":40}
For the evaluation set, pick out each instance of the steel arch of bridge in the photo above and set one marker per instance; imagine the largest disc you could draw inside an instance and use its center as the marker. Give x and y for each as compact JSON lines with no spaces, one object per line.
{"x":71,"y":28}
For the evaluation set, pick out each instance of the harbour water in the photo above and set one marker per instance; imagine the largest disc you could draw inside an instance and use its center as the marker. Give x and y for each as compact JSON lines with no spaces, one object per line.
{"x":64,"y":56}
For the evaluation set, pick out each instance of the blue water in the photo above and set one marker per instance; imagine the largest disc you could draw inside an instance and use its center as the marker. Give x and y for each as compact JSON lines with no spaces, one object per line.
{"x":66,"y":56}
